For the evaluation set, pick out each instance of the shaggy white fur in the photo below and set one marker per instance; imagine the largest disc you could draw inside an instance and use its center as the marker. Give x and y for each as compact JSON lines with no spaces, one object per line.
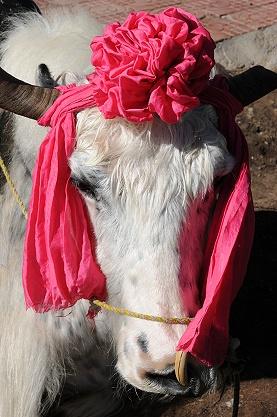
{"x":143,"y":181}
{"x":34,"y":349}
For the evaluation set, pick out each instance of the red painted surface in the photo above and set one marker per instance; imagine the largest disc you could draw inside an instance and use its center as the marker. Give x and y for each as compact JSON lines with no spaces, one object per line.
{"x":223,"y":18}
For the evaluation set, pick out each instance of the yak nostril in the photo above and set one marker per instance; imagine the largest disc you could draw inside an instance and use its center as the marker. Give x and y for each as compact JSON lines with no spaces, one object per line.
{"x":143,"y":342}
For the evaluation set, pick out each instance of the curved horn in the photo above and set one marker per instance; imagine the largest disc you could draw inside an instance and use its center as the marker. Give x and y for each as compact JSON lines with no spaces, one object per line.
{"x":252,"y":84}
{"x":24,"y":99}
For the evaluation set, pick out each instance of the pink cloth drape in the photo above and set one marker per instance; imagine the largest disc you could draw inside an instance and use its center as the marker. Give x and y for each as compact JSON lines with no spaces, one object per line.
{"x":229,"y":241}
{"x":59,"y":265}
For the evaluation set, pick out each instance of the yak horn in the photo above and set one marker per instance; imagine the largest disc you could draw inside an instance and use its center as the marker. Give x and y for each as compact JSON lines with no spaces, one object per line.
{"x":31,"y":101}
{"x":252,"y":84}
{"x":24,"y":99}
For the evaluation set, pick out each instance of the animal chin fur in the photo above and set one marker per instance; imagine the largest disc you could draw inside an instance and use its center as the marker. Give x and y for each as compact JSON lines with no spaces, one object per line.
{"x":150,"y":177}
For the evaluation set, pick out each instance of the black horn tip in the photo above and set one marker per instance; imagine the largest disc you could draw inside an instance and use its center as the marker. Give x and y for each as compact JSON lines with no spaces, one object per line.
{"x":252,"y":84}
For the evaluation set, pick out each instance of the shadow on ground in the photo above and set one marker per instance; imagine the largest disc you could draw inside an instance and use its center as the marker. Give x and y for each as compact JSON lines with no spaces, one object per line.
{"x":254,"y":312}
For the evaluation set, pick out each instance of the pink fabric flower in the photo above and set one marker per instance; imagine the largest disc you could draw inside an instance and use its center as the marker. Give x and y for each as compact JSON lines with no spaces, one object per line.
{"x":151,"y":64}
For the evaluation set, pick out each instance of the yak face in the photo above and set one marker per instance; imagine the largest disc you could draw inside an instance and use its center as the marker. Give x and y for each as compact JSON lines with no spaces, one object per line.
{"x":143,"y":184}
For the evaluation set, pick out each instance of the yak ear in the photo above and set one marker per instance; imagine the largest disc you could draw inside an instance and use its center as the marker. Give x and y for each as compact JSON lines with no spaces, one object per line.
{"x":24,"y":99}
{"x":252,"y":84}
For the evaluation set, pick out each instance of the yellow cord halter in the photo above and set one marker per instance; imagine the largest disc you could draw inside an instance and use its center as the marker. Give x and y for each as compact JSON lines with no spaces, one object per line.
{"x":149,"y":317}
{"x":96,"y":304}
{"x":12,"y":188}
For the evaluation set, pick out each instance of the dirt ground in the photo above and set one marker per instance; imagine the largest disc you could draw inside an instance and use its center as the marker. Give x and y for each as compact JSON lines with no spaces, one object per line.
{"x":258,"y":122}
{"x":254,"y":314}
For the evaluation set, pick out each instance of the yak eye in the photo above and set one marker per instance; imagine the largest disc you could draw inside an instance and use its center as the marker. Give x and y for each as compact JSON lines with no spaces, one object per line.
{"x":84,"y":185}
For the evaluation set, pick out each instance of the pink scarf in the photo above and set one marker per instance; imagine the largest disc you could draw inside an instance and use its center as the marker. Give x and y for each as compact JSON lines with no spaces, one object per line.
{"x":59,"y":257}
{"x":229,"y":241}
{"x":59,"y":266}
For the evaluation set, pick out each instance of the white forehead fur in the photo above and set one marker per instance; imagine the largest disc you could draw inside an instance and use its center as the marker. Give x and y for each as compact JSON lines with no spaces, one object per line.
{"x":151,"y":178}
{"x":189,"y":154}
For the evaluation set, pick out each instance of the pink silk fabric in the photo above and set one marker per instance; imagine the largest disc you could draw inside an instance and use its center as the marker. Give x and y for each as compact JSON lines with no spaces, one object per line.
{"x":229,"y":241}
{"x":59,"y":265}
{"x":59,"y":256}
{"x":151,"y":64}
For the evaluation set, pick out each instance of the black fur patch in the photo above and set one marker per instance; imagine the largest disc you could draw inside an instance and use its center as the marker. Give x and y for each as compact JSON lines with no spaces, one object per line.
{"x":44,"y":77}
{"x":11,"y":7}
{"x":6,"y":140}
{"x":8,"y":8}
{"x":85,"y":186}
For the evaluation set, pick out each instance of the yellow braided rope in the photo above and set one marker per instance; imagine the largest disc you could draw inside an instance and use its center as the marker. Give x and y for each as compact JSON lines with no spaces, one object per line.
{"x":149,"y":317}
{"x":98,"y":303}
{"x":12,"y":188}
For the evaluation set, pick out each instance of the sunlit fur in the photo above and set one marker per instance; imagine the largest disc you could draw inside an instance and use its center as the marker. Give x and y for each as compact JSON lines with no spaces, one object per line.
{"x":149,"y":180}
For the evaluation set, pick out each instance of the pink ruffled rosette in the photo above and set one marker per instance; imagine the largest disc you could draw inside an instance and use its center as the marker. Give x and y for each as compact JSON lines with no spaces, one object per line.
{"x":151,"y":64}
